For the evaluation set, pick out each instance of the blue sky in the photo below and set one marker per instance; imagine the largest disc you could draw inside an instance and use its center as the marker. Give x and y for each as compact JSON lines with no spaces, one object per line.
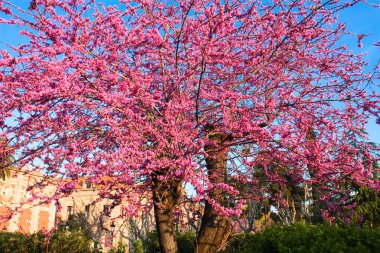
{"x":360,"y":19}
{"x":365,"y":19}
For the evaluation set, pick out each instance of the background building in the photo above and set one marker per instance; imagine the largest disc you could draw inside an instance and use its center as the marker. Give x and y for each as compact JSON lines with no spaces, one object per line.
{"x":20,"y":212}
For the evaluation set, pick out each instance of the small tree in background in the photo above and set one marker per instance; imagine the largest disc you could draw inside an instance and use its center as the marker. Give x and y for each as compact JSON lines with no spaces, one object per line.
{"x":6,"y":158}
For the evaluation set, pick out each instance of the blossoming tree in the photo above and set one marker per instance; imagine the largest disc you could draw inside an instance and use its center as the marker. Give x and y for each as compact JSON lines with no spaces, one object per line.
{"x":146,"y":96}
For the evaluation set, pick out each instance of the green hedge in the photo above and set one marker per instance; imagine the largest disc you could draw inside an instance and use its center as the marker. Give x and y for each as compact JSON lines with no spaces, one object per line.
{"x":298,"y":238}
{"x":17,"y":243}
{"x":308,"y":238}
{"x":60,"y":242}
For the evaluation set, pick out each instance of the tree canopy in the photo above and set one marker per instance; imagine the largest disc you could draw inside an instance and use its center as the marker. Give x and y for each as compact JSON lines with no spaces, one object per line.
{"x":145,"y":96}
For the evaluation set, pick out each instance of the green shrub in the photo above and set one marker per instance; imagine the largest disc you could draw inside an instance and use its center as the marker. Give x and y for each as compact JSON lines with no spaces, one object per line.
{"x":73,"y":242}
{"x":300,"y":238}
{"x":20,"y":243}
{"x":151,"y":244}
{"x":60,"y":242}
{"x":138,"y":247}
{"x":185,"y":241}
{"x":120,"y":249}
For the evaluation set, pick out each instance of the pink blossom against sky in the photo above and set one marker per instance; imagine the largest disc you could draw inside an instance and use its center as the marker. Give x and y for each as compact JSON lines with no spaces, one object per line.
{"x":280,"y":94}
{"x":360,"y":19}
{"x":365,"y":19}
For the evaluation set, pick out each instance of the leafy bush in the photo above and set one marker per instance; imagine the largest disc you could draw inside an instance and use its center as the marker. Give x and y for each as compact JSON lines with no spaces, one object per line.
{"x":20,"y":243}
{"x":120,"y":249}
{"x":151,"y":244}
{"x":73,"y":242}
{"x":138,"y":247}
{"x":298,"y":238}
{"x":308,"y":238}
{"x":185,"y":241}
{"x":60,"y":242}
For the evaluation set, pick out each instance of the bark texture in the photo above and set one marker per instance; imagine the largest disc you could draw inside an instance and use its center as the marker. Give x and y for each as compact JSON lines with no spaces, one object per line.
{"x":215,"y":229}
{"x":165,"y":198}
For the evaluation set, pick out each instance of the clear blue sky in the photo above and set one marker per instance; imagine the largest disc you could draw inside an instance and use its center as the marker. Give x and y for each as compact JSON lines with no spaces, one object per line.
{"x":364,"y":19}
{"x":360,"y":19}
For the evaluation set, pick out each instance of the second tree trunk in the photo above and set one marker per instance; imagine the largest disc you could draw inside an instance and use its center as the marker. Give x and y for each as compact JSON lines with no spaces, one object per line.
{"x":215,"y":228}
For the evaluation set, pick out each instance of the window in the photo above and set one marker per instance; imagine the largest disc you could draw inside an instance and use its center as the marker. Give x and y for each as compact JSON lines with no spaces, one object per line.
{"x":69,"y":210}
{"x":87,"y":210}
{"x":88,"y":185}
{"x":106,"y":210}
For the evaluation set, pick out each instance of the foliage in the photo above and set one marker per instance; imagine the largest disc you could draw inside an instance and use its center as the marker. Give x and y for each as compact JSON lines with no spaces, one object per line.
{"x":367,"y":209}
{"x":151,"y":243}
{"x":138,"y":247}
{"x":308,"y":238}
{"x":367,"y":203}
{"x":20,"y":243}
{"x":60,"y":242}
{"x":77,"y":222}
{"x":121,"y":249}
{"x":75,"y":242}
{"x":293,"y":238}
{"x":185,"y":241}
{"x":6,"y":159}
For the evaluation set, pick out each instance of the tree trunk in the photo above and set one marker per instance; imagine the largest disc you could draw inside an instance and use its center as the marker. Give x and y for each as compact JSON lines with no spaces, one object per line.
{"x":215,"y":229}
{"x":165,"y":198}
{"x":214,"y":232}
